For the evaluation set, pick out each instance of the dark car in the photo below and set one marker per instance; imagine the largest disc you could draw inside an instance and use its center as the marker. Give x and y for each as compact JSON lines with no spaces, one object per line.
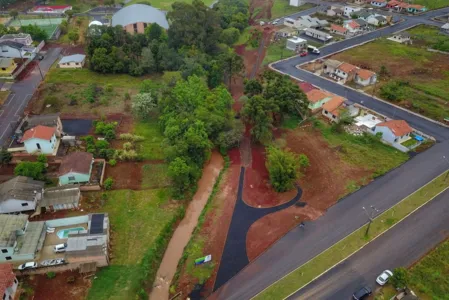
{"x":362,"y":293}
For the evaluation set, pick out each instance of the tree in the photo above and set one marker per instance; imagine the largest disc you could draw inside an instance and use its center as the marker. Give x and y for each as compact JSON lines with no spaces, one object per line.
{"x":14,"y":14}
{"x":232,"y":137}
{"x":69,"y":13}
{"x":232,"y":64}
{"x":73,"y":36}
{"x":182,"y":175}
{"x":108,"y":183}
{"x":253,"y":87}
{"x":64,"y":26}
{"x":283,"y":168}
{"x":229,"y":36}
{"x":258,"y":111}
{"x":101,"y":61}
{"x":154,"y":32}
{"x":5,"y":156}
{"x":148,"y":63}
{"x":4,"y":3}
{"x":383,"y":72}
{"x":400,"y":278}
{"x":42,"y":158}
{"x":79,"y":21}
{"x":34,"y":170}
{"x":143,"y":104}
{"x":37,"y":33}
{"x":303,"y":161}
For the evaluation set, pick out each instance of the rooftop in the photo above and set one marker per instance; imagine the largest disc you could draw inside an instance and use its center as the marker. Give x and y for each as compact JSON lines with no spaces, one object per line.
{"x":332,"y":63}
{"x":365,"y":74}
{"x":22,"y":188}
{"x":12,"y":44}
{"x":317,"y":95}
{"x":29,"y":241}
{"x":6,"y":62}
{"x":76,"y":58}
{"x":39,"y":132}
{"x":367,"y":120}
{"x":9,"y":224}
{"x":77,"y":162}
{"x":398,"y":127}
{"x":347,"y":68}
{"x":338,"y":28}
{"x":139,"y":13}
{"x":15,"y":36}
{"x":7,"y":277}
{"x":46,"y":120}
{"x":306,"y":87}
{"x":61,"y":195}
{"x":333,"y":105}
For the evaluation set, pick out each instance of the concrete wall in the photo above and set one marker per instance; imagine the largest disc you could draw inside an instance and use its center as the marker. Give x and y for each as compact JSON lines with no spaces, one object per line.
{"x":46,"y":147}
{"x":67,"y":221}
{"x":72,"y":65}
{"x":15,"y":205}
{"x":140,"y":27}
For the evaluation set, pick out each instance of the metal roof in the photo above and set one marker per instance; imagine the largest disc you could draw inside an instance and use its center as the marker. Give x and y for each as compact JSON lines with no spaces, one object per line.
{"x":28,"y":242}
{"x":21,"y":188}
{"x":76,"y":58}
{"x":9,"y":224}
{"x":61,"y":195}
{"x":139,"y":13}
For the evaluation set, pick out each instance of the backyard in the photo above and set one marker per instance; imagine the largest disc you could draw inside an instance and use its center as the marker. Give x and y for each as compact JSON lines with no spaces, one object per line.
{"x":412,"y":76}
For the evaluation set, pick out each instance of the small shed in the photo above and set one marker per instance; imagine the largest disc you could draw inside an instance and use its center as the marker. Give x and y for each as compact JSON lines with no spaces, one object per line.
{"x":61,"y":198}
{"x":75,"y":61}
{"x":296,"y":44}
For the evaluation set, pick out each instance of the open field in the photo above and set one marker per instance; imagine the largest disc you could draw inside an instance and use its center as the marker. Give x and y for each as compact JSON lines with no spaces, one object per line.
{"x":304,"y":274}
{"x":282,"y":8}
{"x":416,"y":79}
{"x":277,"y":51}
{"x":434,"y":4}
{"x":151,"y":147}
{"x":73,"y":26}
{"x":164,"y":4}
{"x":141,"y":226}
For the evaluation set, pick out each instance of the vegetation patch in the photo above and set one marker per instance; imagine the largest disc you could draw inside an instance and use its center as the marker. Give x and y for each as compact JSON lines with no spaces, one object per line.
{"x":277,"y":51}
{"x":282,"y":8}
{"x":150,"y":147}
{"x":155,"y":176}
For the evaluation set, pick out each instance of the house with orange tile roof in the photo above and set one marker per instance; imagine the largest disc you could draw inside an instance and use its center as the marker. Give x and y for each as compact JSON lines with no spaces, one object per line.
{"x":337,"y":106}
{"x":416,"y":8}
{"x":365,"y":77}
{"x":344,"y":72}
{"x":40,"y":139}
{"x":340,"y":30}
{"x":352,"y":26}
{"x":393,"y":131}
{"x":317,"y":98}
{"x":8,"y":282}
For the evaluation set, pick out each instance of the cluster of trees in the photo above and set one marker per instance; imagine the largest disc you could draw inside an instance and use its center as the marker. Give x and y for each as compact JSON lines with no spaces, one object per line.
{"x":270,"y":98}
{"x":37,"y":33}
{"x":35,"y":170}
{"x":197,"y":43}
{"x":194,"y":119}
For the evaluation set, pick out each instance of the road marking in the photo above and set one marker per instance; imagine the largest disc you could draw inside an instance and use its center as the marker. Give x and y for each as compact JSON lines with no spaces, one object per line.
{"x":9,"y":100}
{"x":25,"y":102}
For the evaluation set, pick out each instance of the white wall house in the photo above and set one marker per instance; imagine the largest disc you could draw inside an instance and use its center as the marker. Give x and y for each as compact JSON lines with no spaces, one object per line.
{"x":296,"y":44}
{"x":401,"y":37}
{"x":296,"y":2}
{"x":75,"y":61}
{"x":365,"y":77}
{"x":349,"y":10}
{"x":317,"y":34}
{"x":20,"y":194}
{"x":22,"y":38}
{"x":40,"y":139}
{"x":379,"y":3}
{"x":377,"y":20}
{"x":305,"y":22}
{"x":394,"y":131}
{"x":16,"y":50}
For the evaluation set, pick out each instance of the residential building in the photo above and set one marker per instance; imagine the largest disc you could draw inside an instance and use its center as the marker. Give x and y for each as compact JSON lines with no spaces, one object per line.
{"x":317,"y":98}
{"x":338,"y":107}
{"x":377,"y":20}
{"x":316,"y":34}
{"x":8,"y":282}
{"x":75,"y":61}
{"x":136,"y":17}
{"x":20,"y":240}
{"x":75,"y":168}
{"x":359,"y":2}
{"x":416,"y":8}
{"x":30,"y":121}
{"x":392,"y":4}
{"x":445,"y":28}
{"x":7,"y":66}
{"x":306,"y":87}
{"x":344,"y":72}
{"x":286,"y":32}
{"x":297,"y":2}
{"x":401,"y":37}
{"x":365,"y":77}
{"x":16,"y":50}
{"x":296,"y":44}
{"x":51,"y":9}
{"x":337,"y":29}
{"x":394,"y":131}
{"x":20,"y":194}
{"x":40,"y":139}
{"x":330,"y":66}
{"x":365,"y":14}
{"x":348,"y":11}
{"x":305,"y":22}
{"x":61,"y":198}
{"x":379,"y":3}
{"x":21,"y":38}
{"x":367,"y":122}
{"x":334,"y":11}
{"x":352,"y":26}
{"x":363,"y":25}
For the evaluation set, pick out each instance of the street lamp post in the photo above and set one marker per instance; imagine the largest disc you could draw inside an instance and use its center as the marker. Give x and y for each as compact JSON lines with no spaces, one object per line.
{"x":370,"y":216}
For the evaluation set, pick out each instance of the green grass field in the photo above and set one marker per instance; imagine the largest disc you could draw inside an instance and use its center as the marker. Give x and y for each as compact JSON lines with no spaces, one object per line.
{"x":282,"y":8}
{"x":432,"y":4}
{"x":155,"y":175}
{"x":307,"y":272}
{"x":137,"y":219}
{"x":151,"y":147}
{"x":277,"y":51}
{"x":164,"y":5}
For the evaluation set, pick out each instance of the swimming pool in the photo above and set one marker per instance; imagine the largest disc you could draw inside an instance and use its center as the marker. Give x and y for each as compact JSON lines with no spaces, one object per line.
{"x":64,"y":233}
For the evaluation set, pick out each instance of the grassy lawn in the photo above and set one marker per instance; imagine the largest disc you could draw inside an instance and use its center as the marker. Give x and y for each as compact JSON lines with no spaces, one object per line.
{"x":430,"y":36}
{"x":277,"y":51}
{"x":291,"y":121}
{"x":418,"y":79}
{"x":434,"y":4}
{"x":138,"y":219}
{"x":282,"y":8}
{"x":164,"y":5}
{"x":307,"y":272}
{"x":364,"y":150}
{"x":151,"y":147}
{"x":155,"y":175}
{"x":409,"y":143}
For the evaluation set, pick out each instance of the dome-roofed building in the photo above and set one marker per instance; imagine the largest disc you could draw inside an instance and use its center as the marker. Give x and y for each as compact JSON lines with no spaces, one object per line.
{"x":95,"y":22}
{"x":135,"y":18}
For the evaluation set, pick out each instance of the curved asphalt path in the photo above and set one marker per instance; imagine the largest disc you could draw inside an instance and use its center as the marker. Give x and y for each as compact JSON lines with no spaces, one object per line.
{"x":234,"y":257}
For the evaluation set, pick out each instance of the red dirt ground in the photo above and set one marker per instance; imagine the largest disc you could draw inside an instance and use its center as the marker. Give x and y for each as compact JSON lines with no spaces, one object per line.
{"x":323,"y":183}
{"x":126,"y":175}
{"x":265,"y":10}
{"x":58,"y":288}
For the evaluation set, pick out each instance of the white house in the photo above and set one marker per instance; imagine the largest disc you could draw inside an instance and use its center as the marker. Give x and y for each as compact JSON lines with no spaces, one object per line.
{"x":349,"y":10}
{"x":40,"y":139}
{"x":305,"y":22}
{"x":394,"y":131}
{"x":337,"y":107}
{"x":352,"y":26}
{"x":296,"y":2}
{"x":445,"y":28}
{"x":401,"y":37}
{"x":296,"y":44}
{"x":8,"y":282}
{"x":319,"y":35}
{"x":20,"y":194}
{"x":75,"y":61}
{"x":16,"y":50}
{"x":379,"y":3}
{"x":377,"y":20}
{"x":337,"y":29}
{"x":334,"y":12}
{"x":365,"y":77}
{"x":344,"y":72}
{"x":330,"y":65}
{"x":21,"y":38}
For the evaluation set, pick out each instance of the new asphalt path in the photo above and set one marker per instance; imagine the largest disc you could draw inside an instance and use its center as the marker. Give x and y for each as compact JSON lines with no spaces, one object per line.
{"x":402,"y":245}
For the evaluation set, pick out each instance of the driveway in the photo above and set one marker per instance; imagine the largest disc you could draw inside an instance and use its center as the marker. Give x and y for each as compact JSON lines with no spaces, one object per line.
{"x":21,"y":93}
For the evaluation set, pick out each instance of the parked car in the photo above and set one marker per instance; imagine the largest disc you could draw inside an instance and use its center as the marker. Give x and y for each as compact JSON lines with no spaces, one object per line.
{"x":362,"y":293}
{"x":302,"y":54}
{"x":383,"y":278}
{"x":275,"y":22}
{"x":313,"y":50}
{"x":60,"y":248}
{"x":28,"y":265}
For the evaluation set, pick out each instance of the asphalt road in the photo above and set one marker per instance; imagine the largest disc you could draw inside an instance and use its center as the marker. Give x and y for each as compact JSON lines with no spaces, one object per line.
{"x":403,"y":245}
{"x":21,"y":93}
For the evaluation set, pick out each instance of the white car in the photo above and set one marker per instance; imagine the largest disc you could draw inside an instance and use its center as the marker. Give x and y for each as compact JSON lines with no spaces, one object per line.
{"x":28,"y":265}
{"x":383,"y":278}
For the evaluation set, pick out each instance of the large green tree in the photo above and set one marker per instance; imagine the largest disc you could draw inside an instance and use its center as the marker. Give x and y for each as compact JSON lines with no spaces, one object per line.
{"x":258,"y":112}
{"x":34,"y":170}
{"x":283,"y":167}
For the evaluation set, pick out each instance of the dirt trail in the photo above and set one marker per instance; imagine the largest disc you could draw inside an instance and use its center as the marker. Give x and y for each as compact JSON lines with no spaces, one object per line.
{"x":185,"y":229}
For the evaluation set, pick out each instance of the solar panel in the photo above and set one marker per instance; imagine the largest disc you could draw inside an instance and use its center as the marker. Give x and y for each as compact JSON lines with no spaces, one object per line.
{"x":96,"y":224}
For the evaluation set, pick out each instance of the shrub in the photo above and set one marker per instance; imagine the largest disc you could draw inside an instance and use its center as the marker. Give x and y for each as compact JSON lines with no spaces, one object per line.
{"x":90,"y":93}
{"x":34,"y":170}
{"x":42,"y":158}
{"x":131,"y":137}
{"x":106,"y":129}
{"x":127,"y":146}
{"x":303,"y":161}
{"x":282,"y":166}
{"x":101,"y":144}
{"x":400,"y":278}
{"x":108,"y":183}
{"x":112,"y":162}
{"x":5,"y":156}
{"x":51,"y":275}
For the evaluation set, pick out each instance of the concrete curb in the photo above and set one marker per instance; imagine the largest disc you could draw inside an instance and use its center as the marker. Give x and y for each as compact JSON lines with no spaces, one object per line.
{"x":339,"y":262}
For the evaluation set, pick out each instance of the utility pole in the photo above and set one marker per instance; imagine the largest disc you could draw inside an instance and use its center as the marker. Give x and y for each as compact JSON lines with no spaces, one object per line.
{"x":370,"y":216}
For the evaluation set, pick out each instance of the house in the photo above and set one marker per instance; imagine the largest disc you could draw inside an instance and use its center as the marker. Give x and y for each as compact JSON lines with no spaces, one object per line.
{"x":330,"y":65}
{"x":75,"y":168}
{"x":305,"y":22}
{"x":40,"y":139}
{"x":21,"y":38}
{"x":135,"y":18}
{"x":367,"y":122}
{"x":20,"y":194}
{"x":7,"y":66}
{"x":416,"y":8}
{"x":317,"y":98}
{"x":352,"y":26}
{"x":401,"y":37}
{"x":30,"y":121}
{"x":394,"y":131}
{"x":348,"y":10}
{"x":306,"y":87}
{"x":445,"y":28}
{"x":337,"y":107}
{"x":51,"y":9}
{"x":319,"y":35}
{"x":365,"y":14}
{"x":337,"y":29}
{"x":296,"y":44}
{"x":392,"y":4}
{"x":16,"y":50}
{"x":363,"y":25}
{"x":61,"y":198}
{"x":296,"y":2}
{"x":334,"y":12}
{"x":20,"y":240}
{"x":344,"y":72}
{"x":377,"y":20}
{"x":359,"y":2}
{"x":75,"y":61}
{"x":286,"y":32}
{"x":8,"y":282}
{"x":365,"y":77}
{"x":401,"y":6}
{"x":379,"y":3}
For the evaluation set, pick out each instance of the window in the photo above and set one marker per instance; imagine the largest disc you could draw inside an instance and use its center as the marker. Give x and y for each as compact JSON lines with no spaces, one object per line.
{"x":24,"y":204}
{"x":145,"y":25}
{"x":8,"y":258}
{"x":4,"y":250}
{"x":15,"y":280}
{"x":71,"y":178}
{"x":4,"y":69}
{"x":396,"y":139}
{"x":333,"y":117}
{"x":135,"y":27}
{"x":77,"y":64}
{"x":325,"y":111}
